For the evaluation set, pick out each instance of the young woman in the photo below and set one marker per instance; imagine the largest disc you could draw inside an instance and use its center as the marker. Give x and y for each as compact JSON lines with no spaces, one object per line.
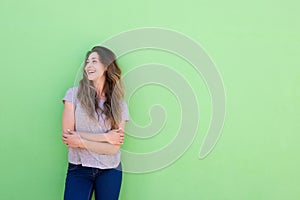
{"x":93,"y":126}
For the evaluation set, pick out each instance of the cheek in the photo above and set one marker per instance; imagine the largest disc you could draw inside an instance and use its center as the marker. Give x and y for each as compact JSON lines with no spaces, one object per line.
{"x":101,"y":69}
{"x":102,"y":73}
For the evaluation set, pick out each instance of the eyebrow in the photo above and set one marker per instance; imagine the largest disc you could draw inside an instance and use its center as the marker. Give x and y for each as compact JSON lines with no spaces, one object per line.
{"x":94,"y":58}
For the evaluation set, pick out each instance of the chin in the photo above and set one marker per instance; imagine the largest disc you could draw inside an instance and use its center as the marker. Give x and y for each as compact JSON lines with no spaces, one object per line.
{"x":91,"y":79}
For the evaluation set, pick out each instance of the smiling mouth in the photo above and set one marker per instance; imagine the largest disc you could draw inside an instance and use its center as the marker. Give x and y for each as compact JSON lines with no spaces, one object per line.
{"x":90,"y":72}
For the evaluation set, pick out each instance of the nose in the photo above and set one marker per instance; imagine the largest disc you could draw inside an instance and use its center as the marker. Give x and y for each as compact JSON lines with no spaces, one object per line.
{"x":88,"y":66}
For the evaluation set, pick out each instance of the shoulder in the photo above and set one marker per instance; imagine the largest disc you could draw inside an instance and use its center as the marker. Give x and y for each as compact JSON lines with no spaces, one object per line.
{"x":72,"y":91}
{"x":123,"y":103}
{"x":124,"y":111}
{"x":71,"y":95}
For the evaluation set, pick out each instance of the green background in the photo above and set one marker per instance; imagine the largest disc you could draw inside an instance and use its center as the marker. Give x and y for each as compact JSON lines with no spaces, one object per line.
{"x":255,"y":45}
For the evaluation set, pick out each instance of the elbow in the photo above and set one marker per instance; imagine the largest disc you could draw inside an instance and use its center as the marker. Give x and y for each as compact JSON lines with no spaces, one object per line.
{"x":114,"y":150}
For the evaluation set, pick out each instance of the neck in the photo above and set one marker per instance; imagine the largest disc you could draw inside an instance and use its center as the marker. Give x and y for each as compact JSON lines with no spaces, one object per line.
{"x":99,"y":84}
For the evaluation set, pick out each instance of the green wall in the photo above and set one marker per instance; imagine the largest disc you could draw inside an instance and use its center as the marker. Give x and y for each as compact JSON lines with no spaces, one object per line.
{"x":255,"y":46}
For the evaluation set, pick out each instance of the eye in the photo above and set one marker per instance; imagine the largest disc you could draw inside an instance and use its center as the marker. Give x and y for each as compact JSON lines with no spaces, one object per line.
{"x":94,"y":61}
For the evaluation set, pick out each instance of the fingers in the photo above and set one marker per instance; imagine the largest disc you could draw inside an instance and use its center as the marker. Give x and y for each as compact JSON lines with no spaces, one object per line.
{"x":65,"y":136}
{"x":122,"y":135}
{"x":71,"y":132}
{"x":64,"y":139}
{"x":122,"y":138}
{"x":68,"y":139}
{"x":119,"y":130}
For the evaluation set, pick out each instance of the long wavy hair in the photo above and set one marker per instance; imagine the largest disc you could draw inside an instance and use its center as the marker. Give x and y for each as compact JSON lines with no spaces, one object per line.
{"x":113,"y":89}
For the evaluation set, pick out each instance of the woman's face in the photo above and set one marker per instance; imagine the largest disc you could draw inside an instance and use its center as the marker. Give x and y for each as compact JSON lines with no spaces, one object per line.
{"x":94,"y":68}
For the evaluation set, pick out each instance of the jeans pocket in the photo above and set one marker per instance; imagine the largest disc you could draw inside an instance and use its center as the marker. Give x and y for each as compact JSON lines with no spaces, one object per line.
{"x":72,"y":167}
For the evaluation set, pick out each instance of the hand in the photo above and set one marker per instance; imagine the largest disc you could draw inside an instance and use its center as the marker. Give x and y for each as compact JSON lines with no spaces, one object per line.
{"x":115,"y":136}
{"x":72,"y":139}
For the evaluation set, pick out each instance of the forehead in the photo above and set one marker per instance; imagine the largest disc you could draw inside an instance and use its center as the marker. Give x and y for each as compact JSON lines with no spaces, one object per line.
{"x":93,"y":55}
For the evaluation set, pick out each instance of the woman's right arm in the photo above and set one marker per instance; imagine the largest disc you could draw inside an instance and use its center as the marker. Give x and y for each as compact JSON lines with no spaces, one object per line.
{"x":68,"y":119}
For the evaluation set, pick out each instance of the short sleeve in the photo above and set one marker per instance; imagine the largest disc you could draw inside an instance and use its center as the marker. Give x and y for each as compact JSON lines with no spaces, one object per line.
{"x":125,"y":112}
{"x":70,"y":95}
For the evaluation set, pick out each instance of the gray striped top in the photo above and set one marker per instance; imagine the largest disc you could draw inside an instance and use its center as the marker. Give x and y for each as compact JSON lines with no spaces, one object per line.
{"x":84,"y":124}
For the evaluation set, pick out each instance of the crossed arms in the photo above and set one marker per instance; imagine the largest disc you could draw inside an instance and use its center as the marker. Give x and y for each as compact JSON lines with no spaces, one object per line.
{"x":105,"y":143}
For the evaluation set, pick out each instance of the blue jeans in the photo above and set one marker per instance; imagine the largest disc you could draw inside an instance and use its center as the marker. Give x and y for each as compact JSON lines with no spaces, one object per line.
{"x":81,"y":182}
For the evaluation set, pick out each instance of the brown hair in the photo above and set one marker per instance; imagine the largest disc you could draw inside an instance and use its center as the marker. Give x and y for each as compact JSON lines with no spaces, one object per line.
{"x":113,"y":89}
